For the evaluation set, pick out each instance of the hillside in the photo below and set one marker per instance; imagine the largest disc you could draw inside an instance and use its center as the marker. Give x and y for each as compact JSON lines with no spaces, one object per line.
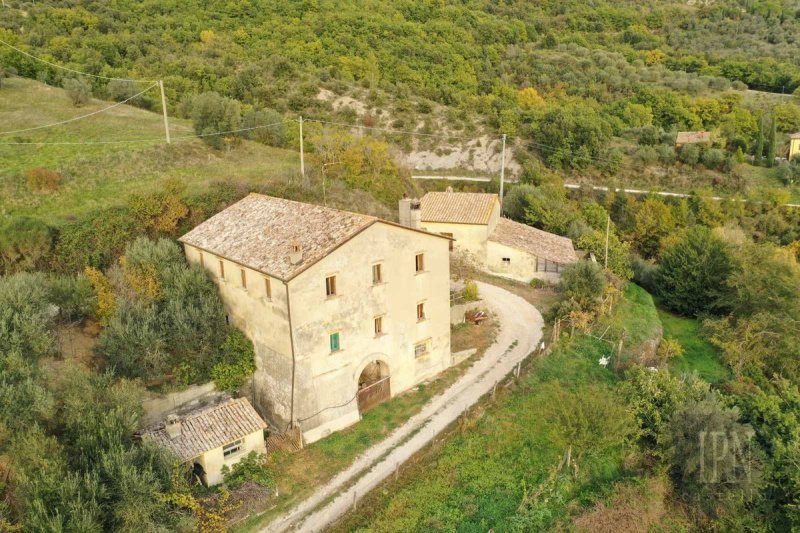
{"x":100,"y":175}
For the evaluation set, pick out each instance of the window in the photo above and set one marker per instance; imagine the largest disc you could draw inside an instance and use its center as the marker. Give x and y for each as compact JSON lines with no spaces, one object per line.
{"x":202,"y":260}
{"x":221,"y":269}
{"x":420,"y":262}
{"x":330,"y":286}
{"x":268,"y":288}
{"x":377,"y":274}
{"x":232,"y":448}
{"x":506,"y":260}
{"x":335,"y":347}
{"x":421,"y":311}
{"x":421,"y":349}
{"x":378,"y":326}
{"x":244,"y":278}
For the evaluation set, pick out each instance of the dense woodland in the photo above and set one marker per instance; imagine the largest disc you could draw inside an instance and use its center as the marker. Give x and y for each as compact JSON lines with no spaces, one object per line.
{"x":582,"y":89}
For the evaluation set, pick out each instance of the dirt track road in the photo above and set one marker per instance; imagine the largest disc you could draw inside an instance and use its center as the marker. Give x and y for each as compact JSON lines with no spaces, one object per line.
{"x":520,"y":332}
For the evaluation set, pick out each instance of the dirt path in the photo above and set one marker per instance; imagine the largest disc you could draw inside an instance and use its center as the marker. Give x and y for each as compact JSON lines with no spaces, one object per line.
{"x":520,"y":332}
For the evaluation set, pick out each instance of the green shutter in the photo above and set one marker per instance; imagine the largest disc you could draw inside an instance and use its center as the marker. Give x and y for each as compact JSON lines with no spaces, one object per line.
{"x":334,"y":342}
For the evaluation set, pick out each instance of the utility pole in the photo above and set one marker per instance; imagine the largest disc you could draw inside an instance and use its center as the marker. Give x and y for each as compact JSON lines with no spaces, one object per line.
{"x":608,"y":229}
{"x":502,"y":171}
{"x":302,"y":157}
{"x":164,"y":109}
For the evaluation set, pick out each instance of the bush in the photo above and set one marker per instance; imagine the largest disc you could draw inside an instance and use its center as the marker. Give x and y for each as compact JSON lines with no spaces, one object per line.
{"x":689,"y":154}
{"x":26,"y":316}
{"x":251,"y":468}
{"x":714,"y":158}
{"x":644,"y":273}
{"x":584,"y":283}
{"x":74,"y":296}
{"x":40,"y":179}
{"x":25,"y":244}
{"x":78,"y":90}
{"x":470,"y":292}
{"x":236,"y":363}
{"x":668,"y":349}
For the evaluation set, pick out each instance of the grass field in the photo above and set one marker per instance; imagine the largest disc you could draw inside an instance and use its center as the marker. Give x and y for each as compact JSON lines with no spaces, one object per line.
{"x":698,"y":354}
{"x":104,"y":174}
{"x":476,"y":478}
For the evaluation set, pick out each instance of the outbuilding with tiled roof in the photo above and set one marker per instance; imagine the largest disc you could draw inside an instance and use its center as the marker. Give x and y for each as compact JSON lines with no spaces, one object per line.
{"x":211,"y":437}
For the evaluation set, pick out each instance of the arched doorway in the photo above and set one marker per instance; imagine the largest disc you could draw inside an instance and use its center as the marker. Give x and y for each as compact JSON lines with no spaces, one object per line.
{"x":373,"y":386}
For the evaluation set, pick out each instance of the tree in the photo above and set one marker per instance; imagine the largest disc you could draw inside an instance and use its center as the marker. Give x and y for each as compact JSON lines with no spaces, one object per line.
{"x":26,"y":316}
{"x":584,"y":283}
{"x":758,"y":150}
{"x":689,"y":154}
{"x":212,"y":115}
{"x":652,"y":223}
{"x":693,"y":272}
{"x":653,"y":398}
{"x":771,"y":143}
{"x":713,"y":459}
{"x":78,"y":90}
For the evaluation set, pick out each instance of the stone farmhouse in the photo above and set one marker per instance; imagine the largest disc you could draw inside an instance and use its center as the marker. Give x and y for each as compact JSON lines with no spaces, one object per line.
{"x":211,"y":437}
{"x":497,"y":245}
{"x":344,"y":310}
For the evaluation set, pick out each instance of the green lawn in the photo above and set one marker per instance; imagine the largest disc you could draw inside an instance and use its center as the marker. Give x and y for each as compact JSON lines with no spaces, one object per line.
{"x":101,"y":175}
{"x":699,"y":355}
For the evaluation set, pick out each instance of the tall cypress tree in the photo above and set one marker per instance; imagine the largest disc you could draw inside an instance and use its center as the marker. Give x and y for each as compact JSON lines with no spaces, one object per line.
{"x":759,"y":149}
{"x":771,"y":143}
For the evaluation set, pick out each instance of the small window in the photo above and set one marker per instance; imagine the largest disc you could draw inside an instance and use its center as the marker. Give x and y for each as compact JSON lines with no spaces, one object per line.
{"x":421,"y":349}
{"x":221,"y":269}
{"x":202,"y":260}
{"x":330,"y":286}
{"x":421,"y":311}
{"x":268,"y":289}
{"x":378,"y":325}
{"x":377,"y":274}
{"x":335,"y":347}
{"x":506,"y":260}
{"x":232,"y":448}
{"x":420,"y":262}
{"x":244,"y":278}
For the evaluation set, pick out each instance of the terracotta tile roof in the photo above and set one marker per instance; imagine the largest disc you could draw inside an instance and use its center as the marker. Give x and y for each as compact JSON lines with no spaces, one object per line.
{"x":458,"y":207}
{"x":258,"y":232}
{"x":534,"y":241}
{"x":691,"y":137}
{"x":795,"y":136}
{"x":208,"y":428}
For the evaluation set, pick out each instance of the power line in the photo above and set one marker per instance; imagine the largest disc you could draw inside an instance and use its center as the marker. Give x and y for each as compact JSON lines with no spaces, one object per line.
{"x":149,"y":139}
{"x":54,"y":65}
{"x":74,"y":119}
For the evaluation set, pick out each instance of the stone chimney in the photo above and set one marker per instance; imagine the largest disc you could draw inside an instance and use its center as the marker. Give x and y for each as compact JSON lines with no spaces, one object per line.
{"x":173,"y":426}
{"x":296,"y":254}
{"x":410,"y":213}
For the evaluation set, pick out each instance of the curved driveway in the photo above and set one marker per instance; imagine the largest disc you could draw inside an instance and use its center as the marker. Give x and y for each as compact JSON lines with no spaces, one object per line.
{"x":520,"y":333}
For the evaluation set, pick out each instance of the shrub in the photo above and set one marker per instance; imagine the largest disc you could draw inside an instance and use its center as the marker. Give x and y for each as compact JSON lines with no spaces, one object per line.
{"x":714,"y":158}
{"x":74,"y":296}
{"x":584,"y":283}
{"x":212,"y":114}
{"x":78,"y":90}
{"x":689,"y":154}
{"x":644,"y":273}
{"x":470,"y":292}
{"x":26,"y":316}
{"x":251,"y":468}
{"x":668,"y":349}
{"x":25,"y":244}
{"x":236,"y":363}
{"x":42,"y":179}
